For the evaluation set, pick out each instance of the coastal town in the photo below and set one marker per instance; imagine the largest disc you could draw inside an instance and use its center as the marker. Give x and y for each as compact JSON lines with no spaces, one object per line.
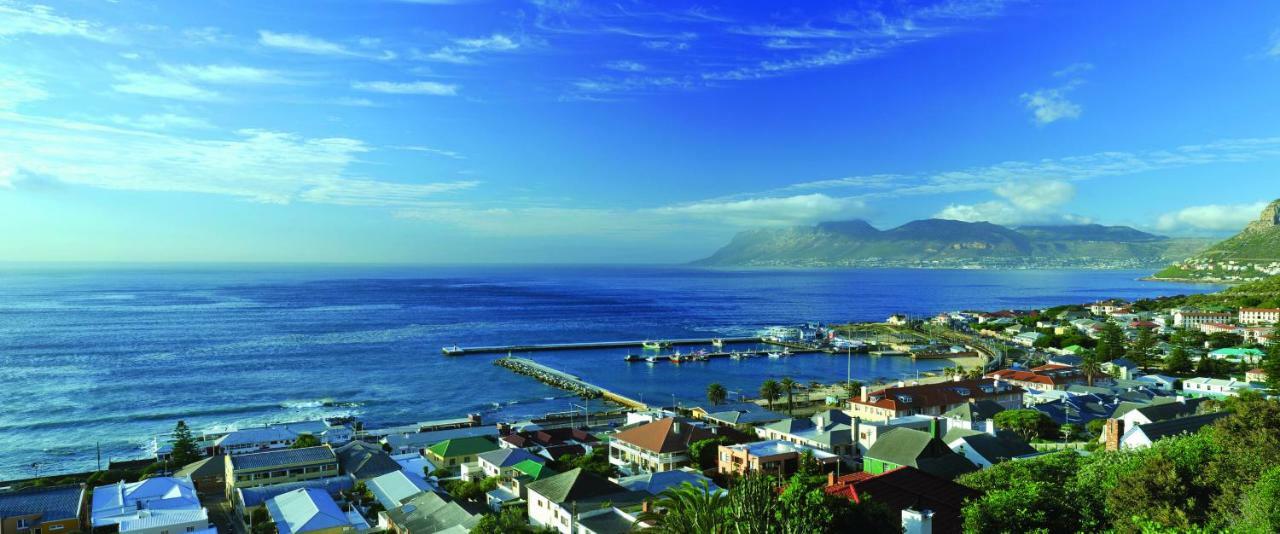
{"x":1058,"y":392}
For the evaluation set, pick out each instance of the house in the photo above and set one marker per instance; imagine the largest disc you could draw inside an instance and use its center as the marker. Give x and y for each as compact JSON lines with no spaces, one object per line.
{"x":1264,"y":316}
{"x":501,"y":461}
{"x":662,"y":445}
{"x":453,"y":454}
{"x":538,"y":440}
{"x":156,"y":505}
{"x":364,"y":461}
{"x":557,"y":502}
{"x":278,"y":436}
{"x":1193,"y":319}
{"x":776,"y":457}
{"x":906,"y":489}
{"x":975,"y":412}
{"x":738,"y":415}
{"x":656,"y":483}
{"x":393,"y":488}
{"x":1122,"y":368}
{"x":280,"y":467}
{"x":1215,"y":387}
{"x":47,"y":510}
{"x":308,"y":510}
{"x":931,"y":399}
{"x":1043,"y":378}
{"x":1236,"y":354}
{"x":830,"y":430}
{"x":606,"y":521}
{"x":407,"y":442}
{"x":430,"y":512}
{"x":1162,"y":382}
{"x":989,"y":446}
{"x":1141,"y":436}
{"x":513,"y":483}
{"x":248,"y":500}
{"x":897,"y":319}
{"x":1255,"y":375}
{"x":914,"y":448}
{"x":1157,"y":411}
{"x":870,"y":431}
{"x":209,"y":475}
{"x":1027,"y":339}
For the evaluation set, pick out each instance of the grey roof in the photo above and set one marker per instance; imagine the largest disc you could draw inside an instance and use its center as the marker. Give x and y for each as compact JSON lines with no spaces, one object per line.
{"x":509,"y":457}
{"x":365,"y":460}
{"x":54,"y":503}
{"x":611,"y":522}
{"x":575,"y":485}
{"x":1170,"y":410}
{"x":281,"y":457}
{"x":213,"y":466}
{"x":906,"y":446}
{"x":655,"y":483}
{"x":306,"y":510}
{"x":745,"y":417}
{"x":1004,"y":445}
{"x":1181,"y":425}
{"x":430,"y":512}
{"x":257,"y":495}
{"x":978,"y":410}
{"x":422,"y":440}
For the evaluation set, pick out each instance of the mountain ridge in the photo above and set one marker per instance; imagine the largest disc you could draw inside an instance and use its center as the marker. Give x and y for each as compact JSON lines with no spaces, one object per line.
{"x":1252,"y":254}
{"x":949,"y":243}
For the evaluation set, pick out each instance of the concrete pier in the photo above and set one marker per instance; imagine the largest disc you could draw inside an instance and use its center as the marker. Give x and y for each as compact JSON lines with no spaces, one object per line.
{"x":498,"y":349}
{"x":566,"y":381}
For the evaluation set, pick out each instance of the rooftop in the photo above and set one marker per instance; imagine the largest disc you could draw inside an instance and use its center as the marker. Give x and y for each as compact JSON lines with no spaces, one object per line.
{"x":664,"y":435}
{"x":53,"y":503}
{"x":469,"y":446}
{"x":939,"y":394}
{"x":365,"y":460}
{"x":282,"y":457}
{"x":306,"y":510}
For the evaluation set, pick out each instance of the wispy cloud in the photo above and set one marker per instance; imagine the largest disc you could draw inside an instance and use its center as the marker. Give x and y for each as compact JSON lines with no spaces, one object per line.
{"x":226,"y":74}
{"x":20,"y":18}
{"x":153,"y":85}
{"x":255,"y":165}
{"x":464,"y":51}
{"x":1020,"y":202}
{"x":1049,"y":105}
{"x":162,"y":121}
{"x":307,"y":44}
{"x":439,"y":152}
{"x":625,"y":65}
{"x":769,"y":211}
{"x":17,"y":87}
{"x":407,"y":88}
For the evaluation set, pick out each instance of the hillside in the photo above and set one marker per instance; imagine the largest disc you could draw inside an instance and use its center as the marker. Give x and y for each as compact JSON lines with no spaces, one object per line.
{"x":947,"y":243}
{"x":1252,"y":254}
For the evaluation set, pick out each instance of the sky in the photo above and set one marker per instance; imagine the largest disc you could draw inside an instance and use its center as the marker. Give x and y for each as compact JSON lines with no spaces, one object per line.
{"x":549,"y":131}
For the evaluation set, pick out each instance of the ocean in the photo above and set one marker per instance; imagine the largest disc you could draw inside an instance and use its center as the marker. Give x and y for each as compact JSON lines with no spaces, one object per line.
{"x":111,"y":356}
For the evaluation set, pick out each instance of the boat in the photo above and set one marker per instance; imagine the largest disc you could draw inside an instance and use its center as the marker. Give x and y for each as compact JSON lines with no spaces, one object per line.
{"x":652,"y":359}
{"x":655,"y":345}
{"x":631,"y":358}
{"x":677,"y":358}
{"x":735,"y":356}
{"x":717,"y":343}
{"x":775,"y":355}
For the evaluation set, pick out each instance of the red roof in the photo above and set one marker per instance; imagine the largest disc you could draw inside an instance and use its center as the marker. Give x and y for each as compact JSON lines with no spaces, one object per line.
{"x":664,"y":435}
{"x":908,"y":487}
{"x":1013,"y":375}
{"x":1143,"y":324}
{"x":939,"y":394}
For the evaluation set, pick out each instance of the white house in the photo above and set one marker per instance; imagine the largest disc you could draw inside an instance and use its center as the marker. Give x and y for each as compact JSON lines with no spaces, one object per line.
{"x":1259,"y":316}
{"x":1192,"y":319}
{"x":1214,"y":387}
{"x":562,"y":501}
{"x":1141,"y":436}
{"x":158,"y":505}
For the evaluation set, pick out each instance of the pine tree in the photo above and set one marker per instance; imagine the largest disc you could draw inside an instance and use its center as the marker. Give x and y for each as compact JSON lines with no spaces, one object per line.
{"x":185,"y":450}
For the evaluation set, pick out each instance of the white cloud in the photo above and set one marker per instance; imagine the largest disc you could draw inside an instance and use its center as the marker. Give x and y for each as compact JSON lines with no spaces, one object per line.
{"x":1051,"y":105}
{"x":256,"y":165}
{"x":769,"y":211}
{"x":153,"y":85}
{"x":162,"y":121}
{"x":439,"y":152}
{"x":462,"y":51}
{"x":783,"y":43}
{"x":307,"y":44}
{"x":668,"y":46}
{"x":495,"y":43}
{"x":1023,"y":201}
{"x":625,"y":66}
{"x":1274,"y":49}
{"x":1212,"y":217}
{"x":1073,"y":70}
{"x":225,"y":74}
{"x":35,"y":19}
{"x":407,"y":88}
{"x":17,"y":88}
{"x":539,"y":221}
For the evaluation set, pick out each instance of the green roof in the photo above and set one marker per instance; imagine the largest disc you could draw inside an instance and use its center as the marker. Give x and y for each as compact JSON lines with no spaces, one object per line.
{"x":1074,"y":349}
{"x":533,"y":469}
{"x":906,"y":446}
{"x":1236,"y":352}
{"x":462,"y":447}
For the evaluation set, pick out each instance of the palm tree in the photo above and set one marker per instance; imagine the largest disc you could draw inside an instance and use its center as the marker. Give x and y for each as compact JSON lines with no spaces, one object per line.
{"x":687,"y":509}
{"x":716,"y":393}
{"x":770,"y":391}
{"x":1090,"y":366}
{"x":789,"y":386}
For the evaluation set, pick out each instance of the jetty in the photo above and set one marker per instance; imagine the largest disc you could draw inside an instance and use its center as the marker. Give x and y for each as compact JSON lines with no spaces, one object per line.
{"x":560,"y":379}
{"x":498,"y":349}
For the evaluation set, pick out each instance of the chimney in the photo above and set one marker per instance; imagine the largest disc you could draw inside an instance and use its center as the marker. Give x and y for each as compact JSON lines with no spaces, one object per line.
{"x":646,"y":507}
{"x":917,"y":522}
{"x":902,"y":384}
{"x":935,"y":428}
{"x":1112,"y":432}
{"x":991,"y":426}
{"x":863,"y":395}
{"x":831,"y":479}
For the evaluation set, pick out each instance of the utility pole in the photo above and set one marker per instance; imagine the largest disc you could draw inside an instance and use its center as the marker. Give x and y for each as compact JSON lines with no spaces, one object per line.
{"x":99,"y":447}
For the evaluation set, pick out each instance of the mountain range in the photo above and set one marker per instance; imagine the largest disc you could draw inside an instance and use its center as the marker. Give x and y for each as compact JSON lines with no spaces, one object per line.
{"x":1252,"y":254}
{"x":948,"y":243}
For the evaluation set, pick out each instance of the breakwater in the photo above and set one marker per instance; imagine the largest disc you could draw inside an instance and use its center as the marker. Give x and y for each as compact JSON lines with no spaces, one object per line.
{"x":560,"y":379}
{"x":497,"y":349}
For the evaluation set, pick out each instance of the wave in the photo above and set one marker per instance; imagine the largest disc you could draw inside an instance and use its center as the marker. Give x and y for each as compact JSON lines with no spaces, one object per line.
{"x":175,"y":415}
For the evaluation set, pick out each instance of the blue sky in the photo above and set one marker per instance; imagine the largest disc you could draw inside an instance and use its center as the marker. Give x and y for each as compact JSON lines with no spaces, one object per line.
{"x":560,"y":131}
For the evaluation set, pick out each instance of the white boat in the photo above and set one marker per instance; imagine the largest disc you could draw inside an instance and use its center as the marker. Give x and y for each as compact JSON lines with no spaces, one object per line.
{"x":717,"y":343}
{"x":652,"y":359}
{"x":735,"y":356}
{"x":775,"y":355}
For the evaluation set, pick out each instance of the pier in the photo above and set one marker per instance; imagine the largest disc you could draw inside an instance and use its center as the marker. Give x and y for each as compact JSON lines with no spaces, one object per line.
{"x":566,"y":381}
{"x":498,"y":349}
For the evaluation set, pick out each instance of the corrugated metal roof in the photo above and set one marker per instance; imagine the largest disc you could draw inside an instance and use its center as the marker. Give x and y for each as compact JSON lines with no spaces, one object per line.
{"x":283,"y":457}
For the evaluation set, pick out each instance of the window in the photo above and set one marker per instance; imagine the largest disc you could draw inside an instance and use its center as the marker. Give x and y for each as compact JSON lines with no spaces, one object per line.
{"x":22,"y":523}
{"x":191,"y":529}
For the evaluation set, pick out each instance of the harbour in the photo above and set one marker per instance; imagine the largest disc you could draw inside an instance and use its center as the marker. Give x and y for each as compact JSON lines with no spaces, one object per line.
{"x":544,"y":347}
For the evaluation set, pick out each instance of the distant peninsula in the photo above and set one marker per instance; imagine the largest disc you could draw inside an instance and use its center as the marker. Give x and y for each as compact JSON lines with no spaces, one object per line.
{"x":942,"y":243}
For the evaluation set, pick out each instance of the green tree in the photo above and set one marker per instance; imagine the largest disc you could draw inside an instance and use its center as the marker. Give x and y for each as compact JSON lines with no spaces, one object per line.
{"x":705,"y":451}
{"x":1261,"y":510}
{"x":260,"y":522}
{"x":687,"y":509}
{"x":716,"y":393}
{"x":1177,"y":362}
{"x":185,"y":449}
{"x":749,"y":509}
{"x":1142,"y":350}
{"x":511,"y":520}
{"x":789,"y":386}
{"x":1271,"y":365}
{"x":469,"y":490}
{"x":597,"y":461}
{"x":853,"y":388}
{"x":1027,"y":423}
{"x":770,"y":390}
{"x":1110,"y":342}
{"x":1091,"y":366}
{"x":304,"y":441}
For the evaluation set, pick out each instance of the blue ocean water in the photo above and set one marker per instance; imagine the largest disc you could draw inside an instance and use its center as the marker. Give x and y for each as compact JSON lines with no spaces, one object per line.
{"x":112,"y":356}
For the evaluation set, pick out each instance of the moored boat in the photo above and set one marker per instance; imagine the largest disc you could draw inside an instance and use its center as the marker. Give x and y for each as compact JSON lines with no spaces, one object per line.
{"x":717,"y":343}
